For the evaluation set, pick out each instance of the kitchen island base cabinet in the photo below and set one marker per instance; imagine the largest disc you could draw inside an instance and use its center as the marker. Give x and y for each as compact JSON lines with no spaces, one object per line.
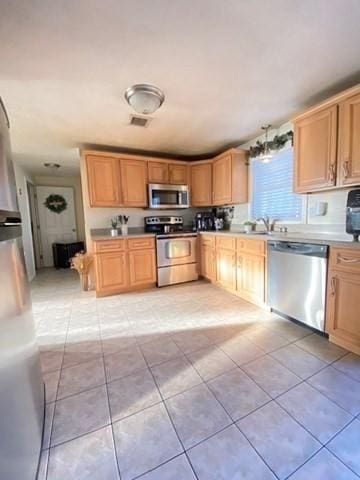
{"x":343,"y":298}
{"x":124,"y":265}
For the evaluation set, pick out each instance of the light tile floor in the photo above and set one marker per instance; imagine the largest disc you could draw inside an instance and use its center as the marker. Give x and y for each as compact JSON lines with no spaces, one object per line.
{"x":189,"y":382}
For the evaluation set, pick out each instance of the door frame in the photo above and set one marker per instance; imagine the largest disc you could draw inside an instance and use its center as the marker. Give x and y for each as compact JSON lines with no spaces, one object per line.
{"x":35,"y":224}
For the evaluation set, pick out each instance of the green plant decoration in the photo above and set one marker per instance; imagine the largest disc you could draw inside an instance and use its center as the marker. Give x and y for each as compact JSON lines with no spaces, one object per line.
{"x":276,"y":143}
{"x":55,"y":203}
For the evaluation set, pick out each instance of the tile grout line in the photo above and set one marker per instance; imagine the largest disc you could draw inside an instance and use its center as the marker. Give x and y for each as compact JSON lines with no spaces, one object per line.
{"x":169,"y":417}
{"x":205,"y":382}
{"x":108,"y":402}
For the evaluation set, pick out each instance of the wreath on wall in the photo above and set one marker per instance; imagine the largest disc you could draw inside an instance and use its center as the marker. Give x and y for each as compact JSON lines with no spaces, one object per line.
{"x":55,"y":203}
{"x":276,"y":143}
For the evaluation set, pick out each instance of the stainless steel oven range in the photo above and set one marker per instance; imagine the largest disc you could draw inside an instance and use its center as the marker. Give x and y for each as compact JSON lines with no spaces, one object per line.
{"x":176,"y":250}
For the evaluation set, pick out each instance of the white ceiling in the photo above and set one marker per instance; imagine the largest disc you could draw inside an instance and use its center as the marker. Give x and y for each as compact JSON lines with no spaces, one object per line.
{"x":226,"y":68}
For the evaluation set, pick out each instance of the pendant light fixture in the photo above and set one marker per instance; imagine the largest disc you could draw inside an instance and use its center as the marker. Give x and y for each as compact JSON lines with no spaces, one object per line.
{"x":144,"y":98}
{"x":267,"y":155}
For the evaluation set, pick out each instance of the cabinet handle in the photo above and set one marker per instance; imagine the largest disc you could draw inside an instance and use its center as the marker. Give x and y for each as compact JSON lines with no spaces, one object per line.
{"x":348,"y":260}
{"x":333,"y":286}
{"x":332,"y":172}
{"x":345,"y":168}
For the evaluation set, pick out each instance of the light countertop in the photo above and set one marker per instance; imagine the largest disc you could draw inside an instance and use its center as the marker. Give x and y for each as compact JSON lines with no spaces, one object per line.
{"x":317,"y":238}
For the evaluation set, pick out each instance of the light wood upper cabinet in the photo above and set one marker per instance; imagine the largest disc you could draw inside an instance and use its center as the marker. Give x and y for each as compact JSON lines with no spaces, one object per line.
{"x":133,"y":182}
{"x":315,"y":144}
{"x":349,"y":141}
{"x":142,"y":267}
{"x":327,"y":144}
{"x":201,"y":184}
{"x":343,"y":298}
{"x":178,"y":174}
{"x":230,"y":178}
{"x":158,"y":172}
{"x":103,"y":181}
{"x":222,"y":181}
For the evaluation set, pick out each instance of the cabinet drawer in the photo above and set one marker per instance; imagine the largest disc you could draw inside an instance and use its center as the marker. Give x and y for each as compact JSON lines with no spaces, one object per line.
{"x":109,"y":245}
{"x":229,"y":243}
{"x":256,"y":247}
{"x":345,"y":259}
{"x":140,"y":243}
{"x":208,"y":240}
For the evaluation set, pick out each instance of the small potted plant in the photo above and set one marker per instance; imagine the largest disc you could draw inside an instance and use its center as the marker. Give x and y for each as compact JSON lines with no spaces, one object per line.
{"x":249,"y":226}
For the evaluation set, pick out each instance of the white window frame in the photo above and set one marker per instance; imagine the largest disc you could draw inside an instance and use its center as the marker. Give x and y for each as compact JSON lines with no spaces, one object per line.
{"x":304,"y":205}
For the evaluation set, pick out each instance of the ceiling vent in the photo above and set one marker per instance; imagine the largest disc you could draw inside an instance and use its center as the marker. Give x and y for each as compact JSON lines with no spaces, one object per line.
{"x":138,"y":121}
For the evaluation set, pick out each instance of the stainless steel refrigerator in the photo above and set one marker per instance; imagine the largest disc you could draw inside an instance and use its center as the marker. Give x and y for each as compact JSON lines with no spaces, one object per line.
{"x":21,"y":385}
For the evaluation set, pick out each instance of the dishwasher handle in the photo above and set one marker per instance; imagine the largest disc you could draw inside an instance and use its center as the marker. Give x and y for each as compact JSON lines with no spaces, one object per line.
{"x":299,"y":248}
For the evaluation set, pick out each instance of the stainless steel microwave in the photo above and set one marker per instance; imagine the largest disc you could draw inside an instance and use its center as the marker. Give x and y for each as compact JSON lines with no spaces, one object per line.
{"x":168,"y":196}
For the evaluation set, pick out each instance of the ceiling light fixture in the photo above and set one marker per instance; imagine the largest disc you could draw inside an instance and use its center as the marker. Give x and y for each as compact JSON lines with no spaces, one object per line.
{"x":267,"y":155}
{"x":52,"y":165}
{"x":144,"y":98}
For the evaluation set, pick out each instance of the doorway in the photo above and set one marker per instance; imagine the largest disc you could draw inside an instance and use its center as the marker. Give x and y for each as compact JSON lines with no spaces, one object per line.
{"x":34,"y":224}
{"x":57,"y":221}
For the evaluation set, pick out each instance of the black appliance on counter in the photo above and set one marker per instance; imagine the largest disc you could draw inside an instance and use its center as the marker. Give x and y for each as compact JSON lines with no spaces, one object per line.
{"x":353,"y":214}
{"x":204,"y":221}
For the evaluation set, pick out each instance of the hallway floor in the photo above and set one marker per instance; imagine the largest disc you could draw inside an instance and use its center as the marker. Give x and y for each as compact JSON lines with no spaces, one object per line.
{"x":189,"y":382}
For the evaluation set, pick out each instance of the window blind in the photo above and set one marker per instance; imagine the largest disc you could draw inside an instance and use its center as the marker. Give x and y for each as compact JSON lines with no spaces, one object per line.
{"x":271,"y":188}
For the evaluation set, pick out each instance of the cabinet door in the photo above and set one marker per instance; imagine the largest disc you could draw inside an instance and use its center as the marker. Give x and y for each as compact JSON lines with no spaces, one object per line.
{"x":103,"y":181}
{"x":208,"y":267}
{"x":349,"y":137}
{"x":251,"y":277}
{"x":226,"y":268}
{"x":158,"y":172}
{"x":133,"y":182}
{"x":178,"y":174}
{"x":201,"y":185}
{"x":142,"y":267}
{"x":111,"y":272}
{"x":315,"y":144}
{"x":343,"y":306}
{"x":222,"y":180}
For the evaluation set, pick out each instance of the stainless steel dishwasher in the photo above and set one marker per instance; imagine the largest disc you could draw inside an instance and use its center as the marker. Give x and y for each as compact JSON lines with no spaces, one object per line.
{"x":297,"y":281}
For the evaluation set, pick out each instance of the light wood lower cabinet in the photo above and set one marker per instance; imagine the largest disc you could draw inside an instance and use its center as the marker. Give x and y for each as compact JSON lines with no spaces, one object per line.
{"x":343,"y":298}
{"x":142,"y":267}
{"x":121,"y":266}
{"x":111,"y":272}
{"x":208,"y":263}
{"x":250,"y":277}
{"x":226,"y":268}
{"x":237,"y":264}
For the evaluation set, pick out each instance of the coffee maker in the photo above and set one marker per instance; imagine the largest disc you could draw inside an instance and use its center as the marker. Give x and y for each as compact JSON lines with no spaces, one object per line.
{"x":204,"y":221}
{"x":353,"y":214}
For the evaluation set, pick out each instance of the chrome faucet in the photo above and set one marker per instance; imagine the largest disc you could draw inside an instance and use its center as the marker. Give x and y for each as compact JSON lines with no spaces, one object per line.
{"x":269,"y":224}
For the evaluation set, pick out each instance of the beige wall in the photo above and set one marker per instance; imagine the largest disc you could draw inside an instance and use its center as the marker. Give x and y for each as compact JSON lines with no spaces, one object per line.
{"x":75,"y":182}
